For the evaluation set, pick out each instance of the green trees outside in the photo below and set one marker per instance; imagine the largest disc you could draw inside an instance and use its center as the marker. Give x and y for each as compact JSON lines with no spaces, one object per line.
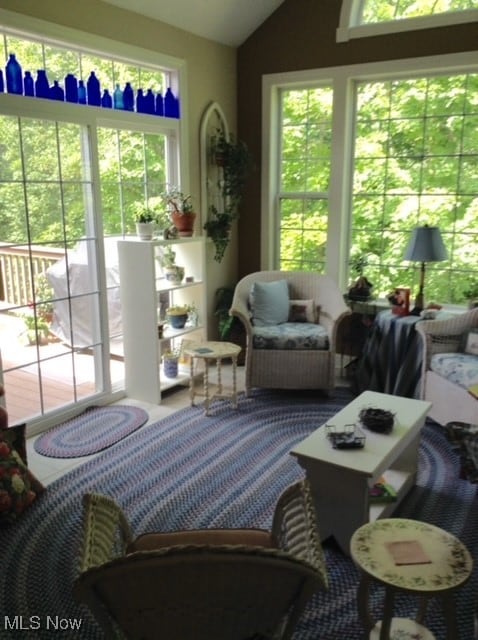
{"x":385,"y":10}
{"x":46,"y":183}
{"x":415,"y":163}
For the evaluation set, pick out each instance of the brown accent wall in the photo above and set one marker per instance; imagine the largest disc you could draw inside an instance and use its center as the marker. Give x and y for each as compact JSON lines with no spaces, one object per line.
{"x":301,"y":34}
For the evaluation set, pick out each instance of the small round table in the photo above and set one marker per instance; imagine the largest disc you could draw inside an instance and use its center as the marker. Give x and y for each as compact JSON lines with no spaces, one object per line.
{"x":414,"y":557}
{"x":213,"y":352}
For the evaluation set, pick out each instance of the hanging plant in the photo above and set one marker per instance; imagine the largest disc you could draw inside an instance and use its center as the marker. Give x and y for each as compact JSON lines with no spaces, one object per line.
{"x":218,"y":228}
{"x":234,"y":161}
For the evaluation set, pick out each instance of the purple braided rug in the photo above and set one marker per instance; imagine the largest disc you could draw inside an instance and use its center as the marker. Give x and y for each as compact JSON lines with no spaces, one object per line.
{"x":95,"y":429}
{"x":226,"y":470}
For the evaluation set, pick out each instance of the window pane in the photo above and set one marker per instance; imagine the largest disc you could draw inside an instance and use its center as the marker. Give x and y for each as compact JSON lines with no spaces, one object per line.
{"x":306,"y":138}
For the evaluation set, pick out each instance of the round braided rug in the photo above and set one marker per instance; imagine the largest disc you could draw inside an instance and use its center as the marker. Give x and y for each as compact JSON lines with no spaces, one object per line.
{"x":95,"y":429}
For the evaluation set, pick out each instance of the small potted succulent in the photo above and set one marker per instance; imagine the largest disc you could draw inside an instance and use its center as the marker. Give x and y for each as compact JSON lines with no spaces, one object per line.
{"x":181,"y":211}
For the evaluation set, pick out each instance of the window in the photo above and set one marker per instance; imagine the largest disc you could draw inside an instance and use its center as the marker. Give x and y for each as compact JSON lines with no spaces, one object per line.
{"x":304,"y":177}
{"x":416,"y":153}
{"x":399,"y":149}
{"x":69,"y":177}
{"x":363,"y":18}
{"x":383,"y":11}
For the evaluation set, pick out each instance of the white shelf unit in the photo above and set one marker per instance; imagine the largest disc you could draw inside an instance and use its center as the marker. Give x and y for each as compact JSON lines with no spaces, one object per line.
{"x":143,"y":287}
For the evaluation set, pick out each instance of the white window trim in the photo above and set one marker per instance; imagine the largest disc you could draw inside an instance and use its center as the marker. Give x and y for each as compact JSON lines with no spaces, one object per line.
{"x":342,"y":80}
{"x":350,"y":26}
{"x":123,"y":52}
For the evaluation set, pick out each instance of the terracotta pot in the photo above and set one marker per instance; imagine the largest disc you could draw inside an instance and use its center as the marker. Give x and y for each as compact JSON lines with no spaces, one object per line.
{"x":184,"y":223}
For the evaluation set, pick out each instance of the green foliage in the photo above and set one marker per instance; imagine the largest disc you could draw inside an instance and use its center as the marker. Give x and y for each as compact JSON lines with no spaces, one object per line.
{"x":235,"y":161}
{"x":414,"y":159}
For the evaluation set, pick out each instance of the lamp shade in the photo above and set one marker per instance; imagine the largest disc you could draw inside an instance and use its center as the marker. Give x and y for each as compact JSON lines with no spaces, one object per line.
{"x":426,"y":245}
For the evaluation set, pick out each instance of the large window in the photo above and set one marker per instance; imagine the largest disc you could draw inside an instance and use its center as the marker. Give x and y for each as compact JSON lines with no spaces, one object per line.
{"x":69,"y":180}
{"x":395,"y":153}
{"x":416,"y":161}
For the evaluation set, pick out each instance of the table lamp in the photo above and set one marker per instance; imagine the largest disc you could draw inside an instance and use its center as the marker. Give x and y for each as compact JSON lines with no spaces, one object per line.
{"x":426,"y":245}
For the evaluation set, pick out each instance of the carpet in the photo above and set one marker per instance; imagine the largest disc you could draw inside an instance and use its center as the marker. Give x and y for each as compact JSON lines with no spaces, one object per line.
{"x":226,"y":470}
{"x":95,"y":429}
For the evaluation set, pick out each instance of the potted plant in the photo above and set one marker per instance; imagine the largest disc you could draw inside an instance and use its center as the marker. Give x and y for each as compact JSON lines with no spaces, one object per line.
{"x":172,"y":272}
{"x":234,"y":160}
{"x":177,"y":316}
{"x":230,"y":328}
{"x":170,"y":362}
{"x":361,"y":288}
{"x":181,"y":211}
{"x":43,"y":298}
{"x":36,"y":329}
{"x":145,"y":218}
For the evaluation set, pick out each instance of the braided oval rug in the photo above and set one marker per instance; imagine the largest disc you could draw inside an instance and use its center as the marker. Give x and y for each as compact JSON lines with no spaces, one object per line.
{"x":95,"y":429}
{"x":226,"y":470}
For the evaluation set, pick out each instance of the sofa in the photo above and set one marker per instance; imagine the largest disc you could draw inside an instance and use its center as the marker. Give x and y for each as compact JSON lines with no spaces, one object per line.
{"x":450,"y":367}
{"x":291,"y":320}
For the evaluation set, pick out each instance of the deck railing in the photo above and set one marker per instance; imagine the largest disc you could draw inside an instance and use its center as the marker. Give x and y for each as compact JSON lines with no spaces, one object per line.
{"x":19,"y":268}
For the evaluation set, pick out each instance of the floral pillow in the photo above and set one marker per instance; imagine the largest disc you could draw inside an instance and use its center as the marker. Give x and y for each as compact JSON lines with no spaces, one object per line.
{"x":18,"y":486}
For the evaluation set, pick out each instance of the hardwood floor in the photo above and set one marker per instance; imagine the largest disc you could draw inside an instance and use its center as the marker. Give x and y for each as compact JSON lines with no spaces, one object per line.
{"x":51,"y":374}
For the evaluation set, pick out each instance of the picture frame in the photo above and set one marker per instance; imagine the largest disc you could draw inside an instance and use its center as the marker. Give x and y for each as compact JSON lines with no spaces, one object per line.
{"x":400,"y":301}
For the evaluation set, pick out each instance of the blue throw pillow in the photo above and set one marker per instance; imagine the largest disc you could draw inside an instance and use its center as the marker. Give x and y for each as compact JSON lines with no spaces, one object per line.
{"x":270,"y":303}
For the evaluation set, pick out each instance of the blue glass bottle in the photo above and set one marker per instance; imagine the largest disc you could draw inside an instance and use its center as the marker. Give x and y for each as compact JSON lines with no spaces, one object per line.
{"x":93,"y":90}
{"x":57,"y":92}
{"x":106,"y":100}
{"x":170,"y":108}
{"x":140,"y":101}
{"x":42,"y":87}
{"x":13,"y":75}
{"x":71,"y":88}
{"x":159,"y":107}
{"x":2,"y":86}
{"x":128,"y":97}
{"x":118,"y":98}
{"x":149,"y":102}
{"x":28,"y":84}
{"x":81,"y":92}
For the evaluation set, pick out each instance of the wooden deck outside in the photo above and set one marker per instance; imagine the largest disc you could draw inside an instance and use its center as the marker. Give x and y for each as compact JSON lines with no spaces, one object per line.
{"x":54,"y":377}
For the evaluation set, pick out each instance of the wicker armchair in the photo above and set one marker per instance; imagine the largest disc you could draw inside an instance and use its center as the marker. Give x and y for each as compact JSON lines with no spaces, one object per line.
{"x":292,"y":368}
{"x":204,"y":584}
{"x":450,"y":402}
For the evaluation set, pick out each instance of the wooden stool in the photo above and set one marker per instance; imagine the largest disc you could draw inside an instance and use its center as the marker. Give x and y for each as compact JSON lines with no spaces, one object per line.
{"x":433,"y":564}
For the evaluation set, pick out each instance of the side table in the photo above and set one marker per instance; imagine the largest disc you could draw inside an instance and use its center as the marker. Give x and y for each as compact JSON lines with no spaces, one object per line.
{"x":445,"y":566}
{"x":213,"y":352}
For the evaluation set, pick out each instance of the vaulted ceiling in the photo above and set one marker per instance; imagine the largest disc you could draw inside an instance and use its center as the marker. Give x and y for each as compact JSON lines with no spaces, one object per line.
{"x":229,"y":22}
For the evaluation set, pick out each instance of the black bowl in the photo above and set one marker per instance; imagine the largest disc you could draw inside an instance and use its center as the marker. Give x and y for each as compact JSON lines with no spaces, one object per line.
{"x":378,"y":420}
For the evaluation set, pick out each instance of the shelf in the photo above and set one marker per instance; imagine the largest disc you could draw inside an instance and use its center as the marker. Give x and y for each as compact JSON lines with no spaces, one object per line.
{"x":402,"y":482}
{"x":142,"y":303}
{"x":172,"y":287}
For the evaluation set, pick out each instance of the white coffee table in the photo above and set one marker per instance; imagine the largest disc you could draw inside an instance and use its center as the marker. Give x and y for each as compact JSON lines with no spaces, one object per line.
{"x":340,"y":479}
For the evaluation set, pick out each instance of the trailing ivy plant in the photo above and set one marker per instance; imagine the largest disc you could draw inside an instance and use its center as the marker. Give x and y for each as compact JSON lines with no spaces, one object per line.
{"x":234,"y":160}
